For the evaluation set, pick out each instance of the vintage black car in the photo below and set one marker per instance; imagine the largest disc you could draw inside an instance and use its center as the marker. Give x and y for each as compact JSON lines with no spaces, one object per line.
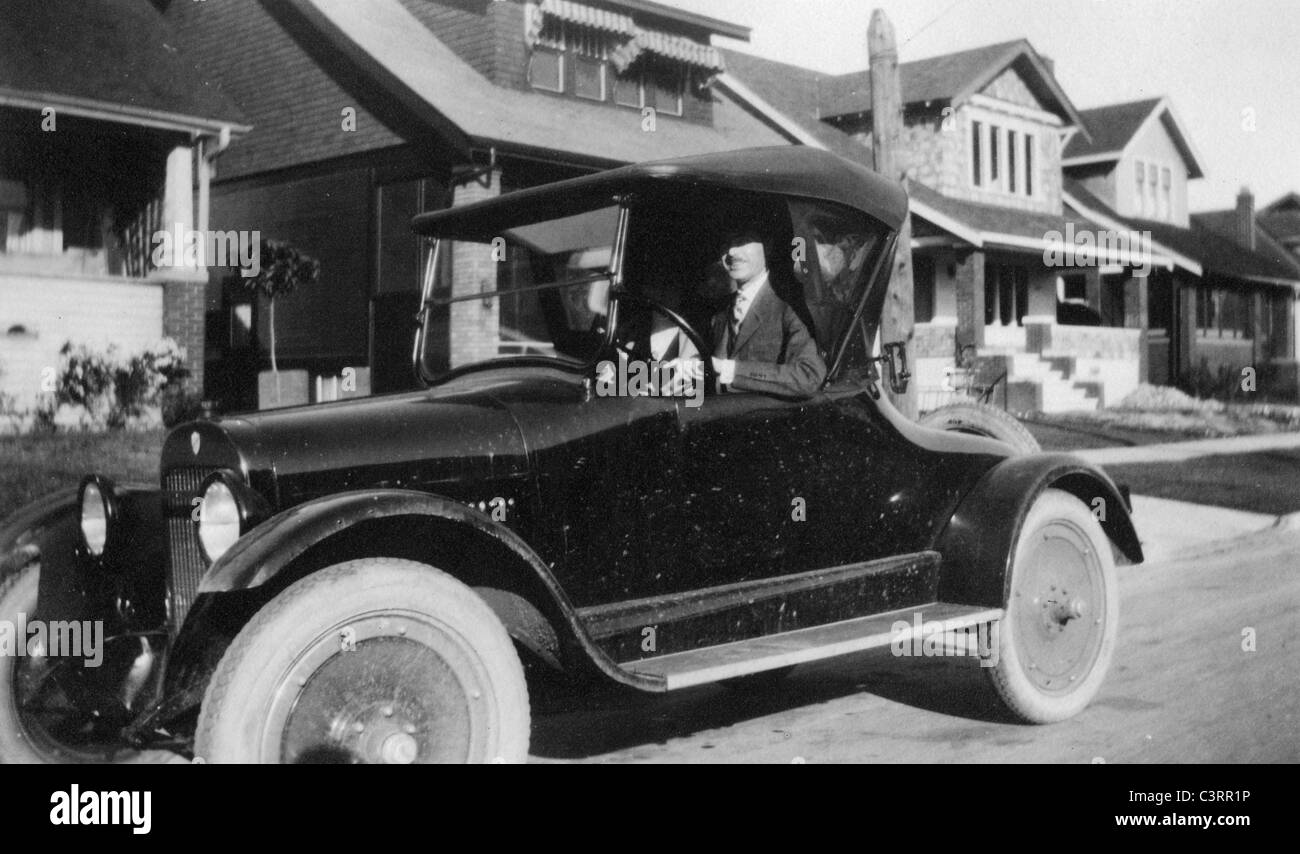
{"x":371,"y":580}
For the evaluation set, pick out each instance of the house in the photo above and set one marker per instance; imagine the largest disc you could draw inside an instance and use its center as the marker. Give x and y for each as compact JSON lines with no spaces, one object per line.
{"x":105,"y":136}
{"x":365,"y":114}
{"x":1227,"y":302}
{"x":1036,"y":255}
{"x":1281,"y":220}
{"x":984,"y":132}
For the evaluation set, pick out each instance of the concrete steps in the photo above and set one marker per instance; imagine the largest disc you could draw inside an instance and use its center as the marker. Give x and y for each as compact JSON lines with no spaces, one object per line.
{"x":1035,"y":382}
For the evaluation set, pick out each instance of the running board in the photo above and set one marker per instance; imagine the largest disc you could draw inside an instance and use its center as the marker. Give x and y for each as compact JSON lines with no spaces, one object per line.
{"x":742,"y":658}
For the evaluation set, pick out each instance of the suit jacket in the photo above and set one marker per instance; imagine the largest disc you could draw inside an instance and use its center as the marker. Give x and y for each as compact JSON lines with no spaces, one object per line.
{"x":774,"y":351}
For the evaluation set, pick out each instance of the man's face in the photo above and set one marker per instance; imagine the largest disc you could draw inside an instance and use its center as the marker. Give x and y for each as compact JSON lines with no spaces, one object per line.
{"x":743,"y":257}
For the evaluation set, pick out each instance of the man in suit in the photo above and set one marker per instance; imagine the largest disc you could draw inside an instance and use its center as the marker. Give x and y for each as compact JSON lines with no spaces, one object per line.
{"x":759,"y":342}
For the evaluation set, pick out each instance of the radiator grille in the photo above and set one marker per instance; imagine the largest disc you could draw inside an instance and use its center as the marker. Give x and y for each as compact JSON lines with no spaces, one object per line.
{"x":186,"y":563}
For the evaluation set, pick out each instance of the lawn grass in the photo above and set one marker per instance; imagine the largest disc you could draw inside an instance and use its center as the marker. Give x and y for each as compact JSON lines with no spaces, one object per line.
{"x":1267,"y":482}
{"x":35,"y":465}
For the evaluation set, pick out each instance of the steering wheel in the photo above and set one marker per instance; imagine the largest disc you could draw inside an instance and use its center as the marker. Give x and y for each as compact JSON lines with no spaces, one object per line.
{"x":710,"y":375}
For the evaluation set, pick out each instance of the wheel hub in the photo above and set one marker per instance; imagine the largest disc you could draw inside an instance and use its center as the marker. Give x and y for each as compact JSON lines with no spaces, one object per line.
{"x":399,"y":692}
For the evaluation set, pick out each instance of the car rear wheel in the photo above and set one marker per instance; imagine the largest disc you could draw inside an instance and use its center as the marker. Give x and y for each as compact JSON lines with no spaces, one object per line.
{"x":1058,"y":635}
{"x":39,"y":723}
{"x":980,"y":419}
{"x":379,"y":660}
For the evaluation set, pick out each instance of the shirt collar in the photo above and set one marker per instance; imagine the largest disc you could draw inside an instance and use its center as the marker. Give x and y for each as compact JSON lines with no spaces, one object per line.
{"x":750,"y":289}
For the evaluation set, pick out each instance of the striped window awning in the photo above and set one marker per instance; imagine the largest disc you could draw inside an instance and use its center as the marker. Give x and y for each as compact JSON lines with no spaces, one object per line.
{"x":680,"y":49}
{"x":587,"y":16}
{"x":629,"y":40}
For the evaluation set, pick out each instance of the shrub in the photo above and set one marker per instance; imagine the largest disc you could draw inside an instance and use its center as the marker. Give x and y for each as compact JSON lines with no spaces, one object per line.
{"x":112,"y":388}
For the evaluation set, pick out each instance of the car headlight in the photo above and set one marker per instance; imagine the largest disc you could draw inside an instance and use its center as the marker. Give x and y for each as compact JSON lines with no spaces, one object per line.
{"x":98,"y":503}
{"x":220,"y":518}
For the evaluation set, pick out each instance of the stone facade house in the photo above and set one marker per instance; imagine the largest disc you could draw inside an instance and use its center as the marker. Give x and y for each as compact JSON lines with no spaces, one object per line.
{"x":1034,"y":263}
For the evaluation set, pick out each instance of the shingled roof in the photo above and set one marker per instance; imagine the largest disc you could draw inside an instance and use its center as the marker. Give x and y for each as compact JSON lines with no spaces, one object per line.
{"x":437,"y":86}
{"x":114,"y":59}
{"x":1112,"y":127}
{"x":1207,"y":241}
{"x":951,"y":77}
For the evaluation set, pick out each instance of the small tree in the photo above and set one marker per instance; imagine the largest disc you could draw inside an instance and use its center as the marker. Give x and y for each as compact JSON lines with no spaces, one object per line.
{"x":283,"y":269}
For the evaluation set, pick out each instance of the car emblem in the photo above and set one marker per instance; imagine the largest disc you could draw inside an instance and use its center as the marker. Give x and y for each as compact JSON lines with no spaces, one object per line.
{"x":195,"y":441}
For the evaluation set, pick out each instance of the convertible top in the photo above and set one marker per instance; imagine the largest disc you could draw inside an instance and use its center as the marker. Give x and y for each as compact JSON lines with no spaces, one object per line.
{"x":785,"y":170}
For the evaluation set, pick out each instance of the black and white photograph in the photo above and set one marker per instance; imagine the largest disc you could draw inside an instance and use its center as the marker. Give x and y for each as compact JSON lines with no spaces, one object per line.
{"x":884,"y":382}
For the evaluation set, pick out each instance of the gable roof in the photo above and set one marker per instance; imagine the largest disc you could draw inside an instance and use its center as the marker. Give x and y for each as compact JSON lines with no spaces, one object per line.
{"x":1114,"y":126}
{"x":1224,"y":224}
{"x":1211,"y":250}
{"x":114,"y":60}
{"x":951,"y":77}
{"x":1282,"y":219}
{"x":398,"y":53}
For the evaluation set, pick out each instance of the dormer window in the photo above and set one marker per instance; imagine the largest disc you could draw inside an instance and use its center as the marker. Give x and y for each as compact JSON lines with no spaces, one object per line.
{"x":604,"y":56}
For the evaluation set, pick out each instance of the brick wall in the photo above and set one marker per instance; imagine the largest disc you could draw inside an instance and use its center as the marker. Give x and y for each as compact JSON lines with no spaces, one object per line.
{"x":474,"y":326}
{"x":466,"y":27}
{"x":184,"y":306}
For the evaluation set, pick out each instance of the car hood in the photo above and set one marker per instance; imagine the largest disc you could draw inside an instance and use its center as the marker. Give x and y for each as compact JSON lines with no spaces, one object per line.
{"x":409,"y":440}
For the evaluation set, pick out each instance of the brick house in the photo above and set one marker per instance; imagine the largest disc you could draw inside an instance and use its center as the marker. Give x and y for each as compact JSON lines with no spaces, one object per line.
{"x":105,"y":136}
{"x":365,"y":114}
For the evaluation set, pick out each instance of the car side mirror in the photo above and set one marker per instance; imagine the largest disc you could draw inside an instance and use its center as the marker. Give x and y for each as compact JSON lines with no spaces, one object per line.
{"x":895,"y":359}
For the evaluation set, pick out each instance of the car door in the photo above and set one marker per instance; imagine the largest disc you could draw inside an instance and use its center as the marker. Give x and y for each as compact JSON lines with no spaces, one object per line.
{"x":607,"y":479}
{"x":740,"y":501}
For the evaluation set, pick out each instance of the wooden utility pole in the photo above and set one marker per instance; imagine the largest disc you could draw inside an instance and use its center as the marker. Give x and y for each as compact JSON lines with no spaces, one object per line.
{"x":886,"y":143}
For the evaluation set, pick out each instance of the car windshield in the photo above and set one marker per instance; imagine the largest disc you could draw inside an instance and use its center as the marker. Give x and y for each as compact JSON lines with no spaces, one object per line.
{"x":538,"y":289}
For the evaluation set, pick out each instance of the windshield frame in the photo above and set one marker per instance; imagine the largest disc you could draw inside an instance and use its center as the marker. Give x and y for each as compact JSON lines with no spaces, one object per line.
{"x":427,"y":300}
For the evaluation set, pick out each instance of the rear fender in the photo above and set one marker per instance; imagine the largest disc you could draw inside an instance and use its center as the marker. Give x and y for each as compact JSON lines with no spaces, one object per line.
{"x":979,"y":542}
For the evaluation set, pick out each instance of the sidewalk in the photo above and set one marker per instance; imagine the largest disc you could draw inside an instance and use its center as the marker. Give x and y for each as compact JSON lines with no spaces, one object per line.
{"x":1170,"y":528}
{"x":1167,"y":527}
{"x":1173,"y":452}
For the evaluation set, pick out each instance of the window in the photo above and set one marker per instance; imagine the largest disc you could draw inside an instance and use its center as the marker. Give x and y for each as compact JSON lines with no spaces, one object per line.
{"x":1153,"y":191}
{"x":663,"y":89}
{"x":1011,"y":161}
{"x":588,"y":78}
{"x":1139,"y":197}
{"x":1166,"y":202}
{"x":627,"y":90}
{"x":995,"y":133}
{"x":1029,"y":164}
{"x":977,"y":166}
{"x":546,"y":70}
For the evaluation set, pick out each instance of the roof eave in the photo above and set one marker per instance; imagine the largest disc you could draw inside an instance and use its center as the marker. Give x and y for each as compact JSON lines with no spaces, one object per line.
{"x":121,"y":113}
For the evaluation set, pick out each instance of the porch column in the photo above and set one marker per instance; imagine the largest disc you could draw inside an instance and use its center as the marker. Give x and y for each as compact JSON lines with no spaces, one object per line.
{"x":1185,"y":326}
{"x":1092,"y":291}
{"x":184,"y":282}
{"x":1135,"y":317}
{"x":474,"y":328}
{"x":969,"y":283}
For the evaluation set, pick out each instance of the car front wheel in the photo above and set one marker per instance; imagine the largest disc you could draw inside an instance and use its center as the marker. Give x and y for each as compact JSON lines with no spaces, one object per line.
{"x":378,"y":660}
{"x":39,"y":721}
{"x":1056,"y":640}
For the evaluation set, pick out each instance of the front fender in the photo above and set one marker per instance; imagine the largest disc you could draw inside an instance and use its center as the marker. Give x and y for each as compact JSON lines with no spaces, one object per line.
{"x":978,"y":543}
{"x":267,"y":552}
{"x":21,"y":532}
